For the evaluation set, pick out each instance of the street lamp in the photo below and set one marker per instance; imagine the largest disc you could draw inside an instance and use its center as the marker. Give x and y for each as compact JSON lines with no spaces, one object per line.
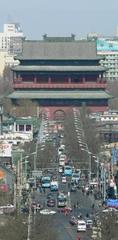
{"x":90,"y":158}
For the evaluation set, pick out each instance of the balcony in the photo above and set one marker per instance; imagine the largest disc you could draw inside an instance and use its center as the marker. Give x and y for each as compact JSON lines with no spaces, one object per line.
{"x":32,"y":85}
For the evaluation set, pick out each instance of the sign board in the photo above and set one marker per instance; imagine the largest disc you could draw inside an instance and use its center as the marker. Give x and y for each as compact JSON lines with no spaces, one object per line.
{"x":37,"y":173}
{"x":112,"y":203}
{"x":5,"y":149}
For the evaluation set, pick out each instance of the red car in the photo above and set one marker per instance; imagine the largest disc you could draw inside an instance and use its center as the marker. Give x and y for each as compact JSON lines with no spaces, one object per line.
{"x":51,"y":203}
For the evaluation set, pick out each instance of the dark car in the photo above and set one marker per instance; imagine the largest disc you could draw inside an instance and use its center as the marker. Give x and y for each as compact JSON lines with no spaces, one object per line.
{"x":50,"y":196}
{"x":51,"y":203}
{"x":73,"y":220}
{"x":73,"y":188}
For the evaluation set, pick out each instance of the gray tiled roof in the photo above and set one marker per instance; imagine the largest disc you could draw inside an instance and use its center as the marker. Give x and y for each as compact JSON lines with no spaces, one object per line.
{"x":59,"y":50}
{"x":59,"y":95}
{"x":59,"y":68}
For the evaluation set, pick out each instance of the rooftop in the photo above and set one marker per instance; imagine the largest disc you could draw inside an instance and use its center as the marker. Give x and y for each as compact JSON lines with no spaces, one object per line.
{"x":59,"y":50}
{"x":59,"y":95}
{"x":59,"y":68}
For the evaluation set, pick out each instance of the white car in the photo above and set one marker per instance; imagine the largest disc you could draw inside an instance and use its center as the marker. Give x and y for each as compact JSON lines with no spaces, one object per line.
{"x":81,"y":226}
{"x":63,"y":180}
{"x":60,"y":169}
{"x":47,"y":212}
{"x":110,"y":210}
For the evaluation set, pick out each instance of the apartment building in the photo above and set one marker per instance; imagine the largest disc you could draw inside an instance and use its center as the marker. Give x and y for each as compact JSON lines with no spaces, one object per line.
{"x":108,"y":48}
{"x":10,"y":44}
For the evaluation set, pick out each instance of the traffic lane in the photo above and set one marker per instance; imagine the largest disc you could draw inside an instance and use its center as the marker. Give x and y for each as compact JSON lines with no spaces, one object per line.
{"x":61,"y":222}
{"x":84,"y":208}
{"x":81,"y":202}
{"x":66,"y":231}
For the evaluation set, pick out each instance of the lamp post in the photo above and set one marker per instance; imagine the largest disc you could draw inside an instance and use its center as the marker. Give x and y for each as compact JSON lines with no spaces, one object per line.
{"x":20,"y":172}
{"x":90,"y":154}
{"x":1,"y":117}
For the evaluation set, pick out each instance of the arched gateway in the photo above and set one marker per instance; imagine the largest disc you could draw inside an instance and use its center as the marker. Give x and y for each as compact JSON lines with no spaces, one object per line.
{"x":59,"y":115}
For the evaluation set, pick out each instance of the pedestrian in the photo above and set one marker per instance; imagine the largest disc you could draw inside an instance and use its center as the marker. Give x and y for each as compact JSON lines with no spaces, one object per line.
{"x":77,"y":204}
{"x":93,"y":206}
{"x":83,"y":191}
{"x":74,"y":205}
{"x":87,"y":215}
{"x":44,"y":190}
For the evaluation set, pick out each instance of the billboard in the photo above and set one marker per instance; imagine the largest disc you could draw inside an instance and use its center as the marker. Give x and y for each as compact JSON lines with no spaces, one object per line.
{"x":5,"y":149}
{"x":112,"y":203}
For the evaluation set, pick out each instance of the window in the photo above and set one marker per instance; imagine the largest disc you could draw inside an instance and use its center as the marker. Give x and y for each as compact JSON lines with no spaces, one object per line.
{"x":28,"y":128}
{"x":21,"y":128}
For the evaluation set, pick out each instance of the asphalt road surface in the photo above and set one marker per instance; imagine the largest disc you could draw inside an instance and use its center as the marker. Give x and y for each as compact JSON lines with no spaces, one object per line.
{"x":61,"y":223}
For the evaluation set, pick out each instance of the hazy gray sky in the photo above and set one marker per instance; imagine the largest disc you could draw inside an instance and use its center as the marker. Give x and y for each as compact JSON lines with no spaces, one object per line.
{"x":61,"y":17}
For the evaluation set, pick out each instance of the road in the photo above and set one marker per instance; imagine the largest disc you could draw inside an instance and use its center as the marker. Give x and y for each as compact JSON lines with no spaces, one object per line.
{"x":60,"y":222}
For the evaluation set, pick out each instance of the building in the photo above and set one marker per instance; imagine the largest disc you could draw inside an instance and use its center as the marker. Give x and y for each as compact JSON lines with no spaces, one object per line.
{"x":11,"y":38}
{"x":107,"y":125}
{"x":10,"y":45}
{"x":108,"y":48}
{"x":59,"y":73}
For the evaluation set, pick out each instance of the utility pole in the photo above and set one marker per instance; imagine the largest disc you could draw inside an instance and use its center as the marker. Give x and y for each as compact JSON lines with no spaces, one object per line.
{"x":104,"y":186}
{"x":29,"y":219}
{"x":1,"y":117}
{"x":89,"y":167}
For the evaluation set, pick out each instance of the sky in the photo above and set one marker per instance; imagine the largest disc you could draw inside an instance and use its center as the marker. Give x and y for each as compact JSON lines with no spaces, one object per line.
{"x":61,"y":17}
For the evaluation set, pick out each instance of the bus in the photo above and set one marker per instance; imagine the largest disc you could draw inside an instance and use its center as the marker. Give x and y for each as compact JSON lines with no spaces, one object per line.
{"x":68,"y":170}
{"x":61,"y":200}
{"x":45,"y":181}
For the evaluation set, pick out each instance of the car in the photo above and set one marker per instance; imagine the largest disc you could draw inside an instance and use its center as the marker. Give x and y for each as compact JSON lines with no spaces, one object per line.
{"x":63,"y":179}
{"x":89,"y":223}
{"x":54,"y":185}
{"x":47,"y":212}
{"x":75,"y":177}
{"x":60,"y":169}
{"x":81,"y":226}
{"x":107,"y":210}
{"x":50,"y":196}
{"x":73,"y":220}
{"x":61,"y":200}
{"x":51,"y":203}
{"x":73,"y":188}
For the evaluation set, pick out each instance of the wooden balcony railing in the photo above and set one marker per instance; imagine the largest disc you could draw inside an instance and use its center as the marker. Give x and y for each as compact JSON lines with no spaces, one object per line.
{"x":23,"y":85}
